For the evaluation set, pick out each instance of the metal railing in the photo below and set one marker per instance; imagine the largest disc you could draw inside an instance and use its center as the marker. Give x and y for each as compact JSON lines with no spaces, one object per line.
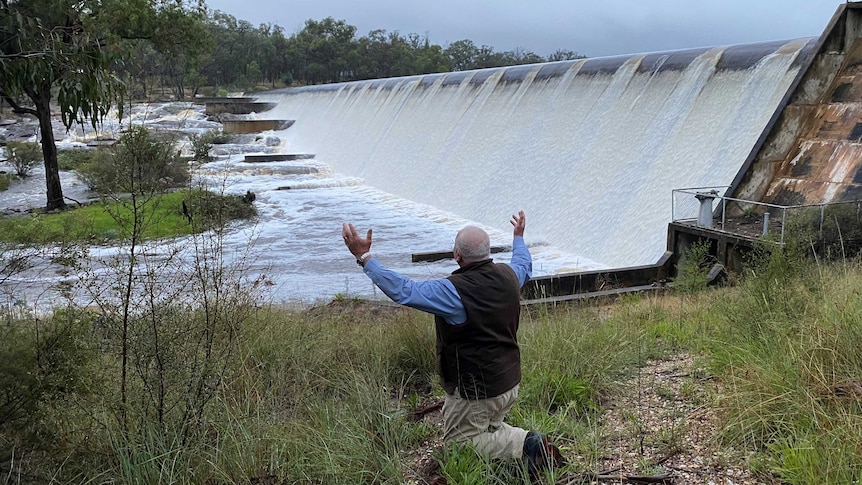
{"x":696,"y":206}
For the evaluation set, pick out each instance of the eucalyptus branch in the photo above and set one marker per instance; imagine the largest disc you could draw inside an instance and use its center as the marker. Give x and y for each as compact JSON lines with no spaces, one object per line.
{"x":34,"y":96}
{"x":17,"y":108}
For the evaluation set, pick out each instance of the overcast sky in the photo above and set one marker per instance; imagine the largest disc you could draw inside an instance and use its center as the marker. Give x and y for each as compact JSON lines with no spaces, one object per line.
{"x":591,"y":27}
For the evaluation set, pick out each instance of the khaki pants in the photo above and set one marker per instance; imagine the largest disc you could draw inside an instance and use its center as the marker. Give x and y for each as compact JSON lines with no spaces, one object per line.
{"x":481,"y":421}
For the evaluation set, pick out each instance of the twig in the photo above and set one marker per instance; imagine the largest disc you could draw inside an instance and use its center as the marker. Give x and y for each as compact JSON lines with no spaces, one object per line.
{"x":616,"y":475}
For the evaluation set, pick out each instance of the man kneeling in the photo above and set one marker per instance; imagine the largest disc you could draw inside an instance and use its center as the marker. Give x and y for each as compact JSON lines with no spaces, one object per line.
{"x":477,"y":313}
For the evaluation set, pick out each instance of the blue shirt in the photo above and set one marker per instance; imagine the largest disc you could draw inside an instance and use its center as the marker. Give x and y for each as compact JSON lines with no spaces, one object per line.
{"x":439,"y":296}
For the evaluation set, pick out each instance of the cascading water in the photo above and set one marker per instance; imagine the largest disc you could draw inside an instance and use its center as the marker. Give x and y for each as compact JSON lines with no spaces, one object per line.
{"x":590,"y":149}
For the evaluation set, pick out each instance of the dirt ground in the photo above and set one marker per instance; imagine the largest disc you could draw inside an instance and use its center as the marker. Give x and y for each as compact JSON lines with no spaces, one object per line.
{"x":660,"y":426}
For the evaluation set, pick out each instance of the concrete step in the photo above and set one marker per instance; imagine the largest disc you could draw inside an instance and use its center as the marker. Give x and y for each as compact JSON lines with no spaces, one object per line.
{"x":441,"y":255}
{"x":277,"y":157}
{"x":255,"y":126}
{"x":237,"y":108}
{"x":613,"y":292}
{"x":222,"y":100}
{"x":298,"y":170}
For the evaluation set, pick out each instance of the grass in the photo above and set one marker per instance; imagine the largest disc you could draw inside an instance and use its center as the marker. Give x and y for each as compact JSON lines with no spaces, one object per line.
{"x":112,"y":220}
{"x":788,"y":344}
{"x":323,"y":395}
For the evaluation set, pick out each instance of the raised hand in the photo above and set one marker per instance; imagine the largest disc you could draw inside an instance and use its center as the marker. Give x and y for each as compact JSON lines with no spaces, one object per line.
{"x":356,"y":244}
{"x":519,"y":221}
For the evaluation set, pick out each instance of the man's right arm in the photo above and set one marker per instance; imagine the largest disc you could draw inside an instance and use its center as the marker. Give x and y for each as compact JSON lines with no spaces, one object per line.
{"x":438,"y":297}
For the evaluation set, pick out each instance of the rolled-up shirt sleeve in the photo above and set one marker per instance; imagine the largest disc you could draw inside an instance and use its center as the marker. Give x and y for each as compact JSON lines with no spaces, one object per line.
{"x":522,"y":261}
{"x":438,"y":297}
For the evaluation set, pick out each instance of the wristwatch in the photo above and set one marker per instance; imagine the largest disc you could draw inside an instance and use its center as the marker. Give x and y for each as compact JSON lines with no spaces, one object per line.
{"x":362,"y":259}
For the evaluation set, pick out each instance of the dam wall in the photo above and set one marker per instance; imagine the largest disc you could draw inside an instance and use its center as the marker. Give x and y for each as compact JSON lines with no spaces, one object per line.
{"x":590,"y":149}
{"x":812,"y":153}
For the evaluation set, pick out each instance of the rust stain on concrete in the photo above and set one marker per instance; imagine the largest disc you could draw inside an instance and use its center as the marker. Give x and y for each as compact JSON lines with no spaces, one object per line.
{"x":825,"y":163}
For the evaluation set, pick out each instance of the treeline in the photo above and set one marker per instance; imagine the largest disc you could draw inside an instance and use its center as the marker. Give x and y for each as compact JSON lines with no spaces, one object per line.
{"x":217,"y":50}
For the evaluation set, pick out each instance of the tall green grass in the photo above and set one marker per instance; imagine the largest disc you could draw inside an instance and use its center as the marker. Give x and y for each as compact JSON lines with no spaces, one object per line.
{"x":324,"y":395}
{"x":788,"y":346}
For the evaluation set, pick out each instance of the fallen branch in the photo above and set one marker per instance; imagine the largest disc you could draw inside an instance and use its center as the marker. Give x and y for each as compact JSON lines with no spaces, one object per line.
{"x":428,"y":408}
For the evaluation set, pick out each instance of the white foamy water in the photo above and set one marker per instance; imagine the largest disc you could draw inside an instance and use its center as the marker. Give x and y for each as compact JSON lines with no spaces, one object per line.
{"x":298,"y":237}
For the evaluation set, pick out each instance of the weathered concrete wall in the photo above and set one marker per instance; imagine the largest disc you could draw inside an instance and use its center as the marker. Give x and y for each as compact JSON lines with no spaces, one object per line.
{"x":813,"y":151}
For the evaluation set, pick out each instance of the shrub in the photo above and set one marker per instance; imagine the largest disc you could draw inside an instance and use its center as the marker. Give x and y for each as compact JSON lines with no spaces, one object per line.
{"x":694,"y":266}
{"x":91,"y":172}
{"x":137,"y":164}
{"x":211,"y":210}
{"x":44,"y":364}
{"x":70,"y":160}
{"x":201,"y":146}
{"x":24,"y":156}
{"x":5,"y":181}
{"x":833,"y":231}
{"x":203,"y":143}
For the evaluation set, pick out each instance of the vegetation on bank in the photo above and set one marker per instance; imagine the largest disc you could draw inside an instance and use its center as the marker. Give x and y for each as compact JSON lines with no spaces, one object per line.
{"x":145,"y":191}
{"x":324,"y":395}
{"x":112,"y":220}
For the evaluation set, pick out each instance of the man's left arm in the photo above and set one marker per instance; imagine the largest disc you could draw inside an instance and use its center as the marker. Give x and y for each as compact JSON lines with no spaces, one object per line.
{"x":522,"y":261}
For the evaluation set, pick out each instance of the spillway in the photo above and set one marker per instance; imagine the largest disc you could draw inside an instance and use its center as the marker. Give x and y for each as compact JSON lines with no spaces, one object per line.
{"x":591,"y":149}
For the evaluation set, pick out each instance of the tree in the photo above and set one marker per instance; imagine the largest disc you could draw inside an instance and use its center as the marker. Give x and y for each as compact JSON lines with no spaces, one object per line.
{"x":243,"y":55}
{"x":45,"y":45}
{"x":564,"y":55}
{"x":383,"y":54}
{"x":325,"y":50}
{"x":462,"y":54}
{"x":68,"y":48}
{"x":181,"y":37}
{"x":428,"y":57}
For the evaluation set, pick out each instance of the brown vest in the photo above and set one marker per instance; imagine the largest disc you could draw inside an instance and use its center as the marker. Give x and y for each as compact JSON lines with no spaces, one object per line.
{"x":481,"y":357}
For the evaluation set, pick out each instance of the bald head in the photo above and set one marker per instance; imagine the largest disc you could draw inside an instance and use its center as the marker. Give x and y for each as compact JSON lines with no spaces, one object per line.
{"x":472,"y":244}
